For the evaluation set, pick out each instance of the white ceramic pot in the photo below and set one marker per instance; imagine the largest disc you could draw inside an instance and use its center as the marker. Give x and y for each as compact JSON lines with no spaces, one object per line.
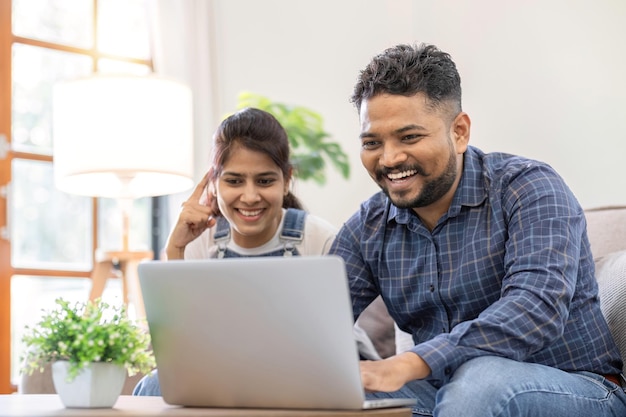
{"x":97,"y":386}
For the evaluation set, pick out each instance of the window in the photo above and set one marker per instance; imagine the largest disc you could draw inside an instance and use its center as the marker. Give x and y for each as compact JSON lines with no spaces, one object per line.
{"x":47,"y":238}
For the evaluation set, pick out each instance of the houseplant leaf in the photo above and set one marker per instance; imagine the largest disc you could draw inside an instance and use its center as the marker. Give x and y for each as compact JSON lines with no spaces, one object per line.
{"x":311,"y":147}
{"x":83,"y":333}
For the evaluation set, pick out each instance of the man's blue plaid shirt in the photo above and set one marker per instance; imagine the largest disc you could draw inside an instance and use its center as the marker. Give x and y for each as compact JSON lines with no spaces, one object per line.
{"x":507,"y":271}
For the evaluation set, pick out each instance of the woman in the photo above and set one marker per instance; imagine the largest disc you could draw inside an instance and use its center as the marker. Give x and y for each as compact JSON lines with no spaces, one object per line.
{"x":246,"y":195}
{"x":243,"y":206}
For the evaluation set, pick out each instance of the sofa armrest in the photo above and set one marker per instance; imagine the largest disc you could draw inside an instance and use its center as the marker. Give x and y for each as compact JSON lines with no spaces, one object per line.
{"x":378,"y":325}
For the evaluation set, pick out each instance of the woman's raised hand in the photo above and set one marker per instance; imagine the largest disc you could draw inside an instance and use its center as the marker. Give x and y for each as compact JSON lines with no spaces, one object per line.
{"x":197,"y":214}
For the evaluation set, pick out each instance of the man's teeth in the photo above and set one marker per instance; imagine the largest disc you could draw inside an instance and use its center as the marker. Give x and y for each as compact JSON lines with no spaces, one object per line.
{"x":401,"y":175}
{"x":249,"y":213}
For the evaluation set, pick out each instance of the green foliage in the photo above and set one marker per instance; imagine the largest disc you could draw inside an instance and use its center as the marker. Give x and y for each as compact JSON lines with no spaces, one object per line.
{"x":85,"y":333}
{"x":310,"y":144}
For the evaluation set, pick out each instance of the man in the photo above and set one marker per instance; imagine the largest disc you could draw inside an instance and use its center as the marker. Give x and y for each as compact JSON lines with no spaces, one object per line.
{"x":483,"y":258}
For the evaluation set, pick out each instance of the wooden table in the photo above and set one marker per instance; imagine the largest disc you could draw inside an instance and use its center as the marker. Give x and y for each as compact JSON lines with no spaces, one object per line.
{"x":27,"y":405}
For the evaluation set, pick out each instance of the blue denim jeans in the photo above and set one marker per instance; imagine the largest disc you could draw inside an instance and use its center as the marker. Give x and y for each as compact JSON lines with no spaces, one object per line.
{"x":491,"y":386}
{"x":148,"y":385}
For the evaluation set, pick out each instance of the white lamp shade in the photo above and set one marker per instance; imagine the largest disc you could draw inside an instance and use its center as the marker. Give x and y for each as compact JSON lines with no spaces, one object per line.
{"x":122,"y":136}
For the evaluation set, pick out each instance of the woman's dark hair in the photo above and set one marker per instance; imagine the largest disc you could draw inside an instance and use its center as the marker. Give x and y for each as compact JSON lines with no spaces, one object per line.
{"x":410,"y":69}
{"x":258,"y":131}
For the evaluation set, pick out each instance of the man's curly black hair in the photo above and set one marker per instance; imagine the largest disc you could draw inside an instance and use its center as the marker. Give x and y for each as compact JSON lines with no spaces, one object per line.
{"x":410,"y":69}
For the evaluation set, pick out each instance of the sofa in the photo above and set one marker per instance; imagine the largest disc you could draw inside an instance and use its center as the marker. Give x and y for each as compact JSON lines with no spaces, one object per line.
{"x":606,"y":227}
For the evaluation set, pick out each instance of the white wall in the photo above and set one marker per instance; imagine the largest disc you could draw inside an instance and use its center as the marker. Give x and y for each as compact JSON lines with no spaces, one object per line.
{"x":542,"y":78}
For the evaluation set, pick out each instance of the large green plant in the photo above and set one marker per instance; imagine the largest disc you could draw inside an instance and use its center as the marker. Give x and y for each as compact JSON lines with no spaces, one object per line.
{"x":311,"y":148}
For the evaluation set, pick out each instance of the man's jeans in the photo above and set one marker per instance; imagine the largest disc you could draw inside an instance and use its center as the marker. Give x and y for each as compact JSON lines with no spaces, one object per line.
{"x":491,"y":386}
{"x":148,"y":385}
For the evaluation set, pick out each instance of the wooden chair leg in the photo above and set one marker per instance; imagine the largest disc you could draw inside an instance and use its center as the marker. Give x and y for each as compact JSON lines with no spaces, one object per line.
{"x":133,"y":289}
{"x":99,"y":276}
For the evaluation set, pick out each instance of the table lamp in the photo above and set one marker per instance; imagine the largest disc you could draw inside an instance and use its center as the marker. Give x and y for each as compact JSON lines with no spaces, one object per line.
{"x":122,"y":137}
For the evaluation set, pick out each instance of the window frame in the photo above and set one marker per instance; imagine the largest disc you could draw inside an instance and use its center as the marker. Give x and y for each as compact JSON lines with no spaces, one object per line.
{"x":7,"y":271}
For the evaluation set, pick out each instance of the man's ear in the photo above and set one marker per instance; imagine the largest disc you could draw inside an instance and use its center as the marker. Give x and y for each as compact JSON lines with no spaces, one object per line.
{"x":460,"y":131}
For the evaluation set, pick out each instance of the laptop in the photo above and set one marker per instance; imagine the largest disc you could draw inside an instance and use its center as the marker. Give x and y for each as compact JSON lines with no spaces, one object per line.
{"x":261,"y":332}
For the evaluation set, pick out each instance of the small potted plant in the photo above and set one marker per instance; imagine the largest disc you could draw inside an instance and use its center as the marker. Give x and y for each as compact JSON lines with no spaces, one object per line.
{"x":92,"y":347}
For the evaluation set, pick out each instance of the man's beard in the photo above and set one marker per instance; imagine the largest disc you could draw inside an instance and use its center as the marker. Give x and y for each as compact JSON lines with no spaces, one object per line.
{"x":432,"y":191}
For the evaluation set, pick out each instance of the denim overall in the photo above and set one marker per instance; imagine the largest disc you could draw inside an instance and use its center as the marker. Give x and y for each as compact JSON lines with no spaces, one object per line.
{"x":291,"y":234}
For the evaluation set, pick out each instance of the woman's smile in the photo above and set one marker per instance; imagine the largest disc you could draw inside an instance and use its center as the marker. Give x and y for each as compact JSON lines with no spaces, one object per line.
{"x":250,"y":192}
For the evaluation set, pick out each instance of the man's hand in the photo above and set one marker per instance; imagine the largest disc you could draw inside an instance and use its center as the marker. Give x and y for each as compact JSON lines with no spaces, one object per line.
{"x":197,"y":215}
{"x":392,"y":373}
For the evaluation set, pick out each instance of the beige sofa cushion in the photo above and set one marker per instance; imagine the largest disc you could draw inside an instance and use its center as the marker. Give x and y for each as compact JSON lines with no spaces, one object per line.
{"x":606,"y":227}
{"x":378,"y":325}
{"x":611,"y":277}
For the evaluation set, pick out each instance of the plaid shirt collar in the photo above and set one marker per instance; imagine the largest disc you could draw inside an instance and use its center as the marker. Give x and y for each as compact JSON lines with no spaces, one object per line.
{"x":470,"y":192}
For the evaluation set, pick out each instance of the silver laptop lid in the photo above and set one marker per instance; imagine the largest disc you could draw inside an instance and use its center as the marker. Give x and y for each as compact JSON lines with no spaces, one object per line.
{"x":270,"y":332}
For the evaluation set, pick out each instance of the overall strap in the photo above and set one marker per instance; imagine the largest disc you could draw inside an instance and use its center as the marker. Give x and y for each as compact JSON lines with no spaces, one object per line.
{"x":221,"y":236}
{"x":292,"y":232}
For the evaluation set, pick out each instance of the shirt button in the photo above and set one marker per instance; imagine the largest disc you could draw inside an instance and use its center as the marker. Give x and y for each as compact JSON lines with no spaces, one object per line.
{"x":446,"y":371}
{"x":432,"y":288}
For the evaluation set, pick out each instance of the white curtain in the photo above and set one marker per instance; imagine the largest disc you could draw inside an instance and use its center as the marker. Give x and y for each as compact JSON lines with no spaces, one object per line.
{"x":182,"y":33}
{"x":183,"y":49}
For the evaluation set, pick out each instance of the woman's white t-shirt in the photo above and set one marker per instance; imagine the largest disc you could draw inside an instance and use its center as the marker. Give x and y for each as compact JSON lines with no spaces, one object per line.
{"x":317,"y":238}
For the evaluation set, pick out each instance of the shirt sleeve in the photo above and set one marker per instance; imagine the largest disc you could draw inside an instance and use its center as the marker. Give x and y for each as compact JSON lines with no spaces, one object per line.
{"x":350,"y":245}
